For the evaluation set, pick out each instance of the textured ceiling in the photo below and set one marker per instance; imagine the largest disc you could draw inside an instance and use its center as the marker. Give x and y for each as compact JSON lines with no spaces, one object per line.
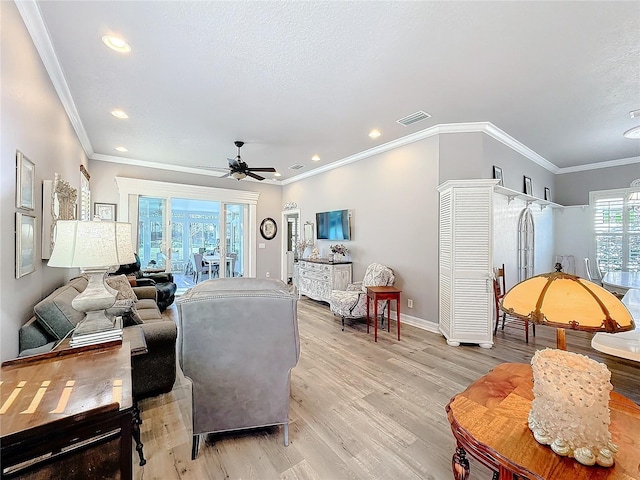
{"x":293,"y":79}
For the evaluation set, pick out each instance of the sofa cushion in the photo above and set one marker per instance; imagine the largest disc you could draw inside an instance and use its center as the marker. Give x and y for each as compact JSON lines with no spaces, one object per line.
{"x":55,"y":313}
{"x":32,"y":335}
{"x":122,"y":285}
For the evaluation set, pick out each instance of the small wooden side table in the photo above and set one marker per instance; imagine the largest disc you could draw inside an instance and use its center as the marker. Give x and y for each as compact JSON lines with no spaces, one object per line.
{"x":67,"y":416}
{"x":380,"y":294}
{"x":489,"y":422}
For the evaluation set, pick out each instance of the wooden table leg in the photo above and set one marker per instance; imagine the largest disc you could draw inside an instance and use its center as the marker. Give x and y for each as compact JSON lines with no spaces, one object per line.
{"x":460,"y":464}
{"x":135,"y":432}
{"x":375,"y":318}
{"x":398,"y":314}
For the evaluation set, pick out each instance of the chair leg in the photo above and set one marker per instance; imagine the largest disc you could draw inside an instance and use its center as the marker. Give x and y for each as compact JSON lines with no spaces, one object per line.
{"x":343,"y":324}
{"x":286,"y":434}
{"x":495,"y":330}
{"x":526,"y":331}
{"x":195,"y":443}
{"x":504,"y":318}
{"x":534,"y":329}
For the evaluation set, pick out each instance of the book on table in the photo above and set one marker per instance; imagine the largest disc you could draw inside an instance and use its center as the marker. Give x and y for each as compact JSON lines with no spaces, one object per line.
{"x":98,"y":337}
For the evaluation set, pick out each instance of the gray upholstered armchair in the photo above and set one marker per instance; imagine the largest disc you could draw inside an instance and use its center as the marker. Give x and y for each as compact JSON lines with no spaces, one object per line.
{"x":237,"y":343}
{"x":352,"y":302}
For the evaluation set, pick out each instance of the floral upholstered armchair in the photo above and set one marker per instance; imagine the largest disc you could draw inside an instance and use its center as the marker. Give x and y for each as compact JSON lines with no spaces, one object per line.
{"x":352,"y":302}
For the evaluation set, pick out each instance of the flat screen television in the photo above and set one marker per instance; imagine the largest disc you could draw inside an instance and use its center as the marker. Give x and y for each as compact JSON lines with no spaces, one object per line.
{"x":334,"y":225}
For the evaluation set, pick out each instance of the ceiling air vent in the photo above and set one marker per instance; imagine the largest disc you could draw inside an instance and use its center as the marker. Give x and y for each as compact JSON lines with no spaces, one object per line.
{"x":413,"y":118}
{"x":297,"y":166}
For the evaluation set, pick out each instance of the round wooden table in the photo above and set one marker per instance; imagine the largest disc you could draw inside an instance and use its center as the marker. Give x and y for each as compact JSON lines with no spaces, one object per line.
{"x":489,"y":422}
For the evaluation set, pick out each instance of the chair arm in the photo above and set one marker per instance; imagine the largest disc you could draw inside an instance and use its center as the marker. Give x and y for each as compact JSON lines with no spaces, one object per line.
{"x":159,"y":277}
{"x":354,"y":287}
{"x":155,"y":371}
{"x":146,"y":292}
{"x":145,"y":282}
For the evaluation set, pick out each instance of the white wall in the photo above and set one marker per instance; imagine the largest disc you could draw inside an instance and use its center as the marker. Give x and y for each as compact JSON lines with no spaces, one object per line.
{"x":394,"y":202}
{"x":34,"y":122}
{"x":573,"y":235}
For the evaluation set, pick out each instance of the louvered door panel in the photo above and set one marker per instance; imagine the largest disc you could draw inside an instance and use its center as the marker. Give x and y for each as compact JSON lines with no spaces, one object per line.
{"x":466,"y":209}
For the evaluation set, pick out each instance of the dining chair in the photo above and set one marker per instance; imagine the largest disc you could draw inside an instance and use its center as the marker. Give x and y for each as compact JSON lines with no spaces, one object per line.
{"x":198,"y":266}
{"x":592,"y":278}
{"x":499,"y":290}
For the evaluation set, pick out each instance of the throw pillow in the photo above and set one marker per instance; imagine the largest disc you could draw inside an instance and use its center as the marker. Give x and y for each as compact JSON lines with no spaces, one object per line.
{"x":120,"y":307}
{"x":121,"y":284}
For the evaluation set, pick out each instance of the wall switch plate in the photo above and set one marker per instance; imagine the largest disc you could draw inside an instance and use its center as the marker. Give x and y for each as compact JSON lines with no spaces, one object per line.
{"x":261,"y":245}
{"x":410,"y":303}
{"x":268,"y":274}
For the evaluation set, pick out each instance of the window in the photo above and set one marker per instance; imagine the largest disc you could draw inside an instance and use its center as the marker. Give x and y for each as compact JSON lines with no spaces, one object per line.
{"x":616,"y":228}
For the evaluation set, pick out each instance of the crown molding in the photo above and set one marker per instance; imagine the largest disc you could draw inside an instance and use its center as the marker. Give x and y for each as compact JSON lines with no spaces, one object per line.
{"x":596,"y":166}
{"x":469,"y":127}
{"x":99,"y":157}
{"x":30,"y":13}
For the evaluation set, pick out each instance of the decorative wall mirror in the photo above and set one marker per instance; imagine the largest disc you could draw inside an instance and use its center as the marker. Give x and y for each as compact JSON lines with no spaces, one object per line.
{"x":308,"y":232}
{"x":85,"y":194}
{"x":58,"y":203}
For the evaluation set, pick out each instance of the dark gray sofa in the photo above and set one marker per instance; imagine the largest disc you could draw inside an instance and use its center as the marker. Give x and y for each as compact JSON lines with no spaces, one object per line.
{"x":54,"y":317}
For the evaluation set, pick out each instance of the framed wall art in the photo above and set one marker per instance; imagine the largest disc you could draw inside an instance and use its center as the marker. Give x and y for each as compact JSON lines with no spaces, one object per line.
{"x":106,"y":211}
{"x":528,"y":186}
{"x":25,"y":244}
{"x":268,"y":228}
{"x":497,"y":175}
{"x":25,"y":182}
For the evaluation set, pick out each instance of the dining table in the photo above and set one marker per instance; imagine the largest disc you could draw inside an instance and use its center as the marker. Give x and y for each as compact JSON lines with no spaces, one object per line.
{"x":212,"y":260}
{"x":623,"y":344}
{"x":621,"y":282}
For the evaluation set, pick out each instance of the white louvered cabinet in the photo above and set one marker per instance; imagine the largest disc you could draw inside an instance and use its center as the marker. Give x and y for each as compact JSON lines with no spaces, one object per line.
{"x":465,"y":263}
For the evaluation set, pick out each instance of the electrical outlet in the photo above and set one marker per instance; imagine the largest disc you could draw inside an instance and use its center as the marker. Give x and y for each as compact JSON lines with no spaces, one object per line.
{"x":410,"y":303}
{"x":268,"y":274}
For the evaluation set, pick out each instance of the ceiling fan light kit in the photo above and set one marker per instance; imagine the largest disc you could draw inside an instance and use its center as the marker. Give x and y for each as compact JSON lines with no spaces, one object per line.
{"x":238,"y":169}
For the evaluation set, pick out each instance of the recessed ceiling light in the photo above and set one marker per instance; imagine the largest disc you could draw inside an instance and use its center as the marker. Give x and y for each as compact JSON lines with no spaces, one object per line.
{"x":633,"y":133}
{"x":121,"y":149}
{"x":374,"y":133}
{"x":316,"y":158}
{"x":119,"y":114}
{"x":277,"y":174}
{"x":116,"y":43}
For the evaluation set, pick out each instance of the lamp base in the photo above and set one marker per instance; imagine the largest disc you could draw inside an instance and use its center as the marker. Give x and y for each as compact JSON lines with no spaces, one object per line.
{"x":93,"y":301}
{"x":94,"y":322}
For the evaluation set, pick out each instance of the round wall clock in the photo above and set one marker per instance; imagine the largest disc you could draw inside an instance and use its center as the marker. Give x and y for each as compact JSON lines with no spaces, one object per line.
{"x":268,"y":228}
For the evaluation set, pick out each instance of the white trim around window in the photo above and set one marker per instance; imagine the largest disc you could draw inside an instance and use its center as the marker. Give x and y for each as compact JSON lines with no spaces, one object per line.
{"x":129,"y":189}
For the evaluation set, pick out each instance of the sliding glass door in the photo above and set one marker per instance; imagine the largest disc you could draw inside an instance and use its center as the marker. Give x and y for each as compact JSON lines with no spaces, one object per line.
{"x":153,"y":240}
{"x":196,"y":227}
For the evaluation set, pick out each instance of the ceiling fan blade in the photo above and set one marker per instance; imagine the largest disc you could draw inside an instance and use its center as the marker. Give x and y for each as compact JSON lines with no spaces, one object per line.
{"x":257,"y":177}
{"x":218,"y":169}
{"x":233,"y":162}
{"x":262,"y":169}
{"x":225,"y":176}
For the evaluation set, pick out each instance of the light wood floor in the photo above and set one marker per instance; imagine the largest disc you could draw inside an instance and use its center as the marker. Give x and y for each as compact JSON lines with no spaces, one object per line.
{"x":359,"y":410}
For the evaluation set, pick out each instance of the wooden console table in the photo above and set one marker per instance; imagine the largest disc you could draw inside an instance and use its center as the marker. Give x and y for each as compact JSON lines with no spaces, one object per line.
{"x":489,"y":422}
{"x":376,"y":294}
{"x":68,"y":415}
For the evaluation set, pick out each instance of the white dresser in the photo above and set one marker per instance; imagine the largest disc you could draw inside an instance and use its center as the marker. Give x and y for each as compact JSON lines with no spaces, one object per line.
{"x":316,"y":278}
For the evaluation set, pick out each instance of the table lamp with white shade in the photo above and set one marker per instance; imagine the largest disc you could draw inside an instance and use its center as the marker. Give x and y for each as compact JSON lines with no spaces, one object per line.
{"x":94,"y":247}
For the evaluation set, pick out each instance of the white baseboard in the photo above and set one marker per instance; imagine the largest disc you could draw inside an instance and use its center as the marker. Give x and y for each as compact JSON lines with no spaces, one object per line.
{"x":417,"y":322}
